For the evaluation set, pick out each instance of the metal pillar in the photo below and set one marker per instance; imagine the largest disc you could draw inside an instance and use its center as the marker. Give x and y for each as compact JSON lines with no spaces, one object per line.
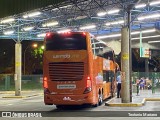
{"x":146,"y":67}
{"x":125,"y":65}
{"x":18,"y":59}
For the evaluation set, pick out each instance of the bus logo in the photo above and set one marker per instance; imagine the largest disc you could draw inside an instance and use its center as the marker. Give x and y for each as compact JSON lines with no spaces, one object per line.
{"x":62,"y":56}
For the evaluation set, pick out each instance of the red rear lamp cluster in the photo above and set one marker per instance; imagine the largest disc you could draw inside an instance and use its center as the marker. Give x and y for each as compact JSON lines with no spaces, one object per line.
{"x":48,"y":34}
{"x":84,"y":33}
{"x":88,"y":85}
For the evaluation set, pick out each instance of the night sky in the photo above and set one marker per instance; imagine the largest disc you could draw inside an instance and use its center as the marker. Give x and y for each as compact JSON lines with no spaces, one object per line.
{"x":12,"y":7}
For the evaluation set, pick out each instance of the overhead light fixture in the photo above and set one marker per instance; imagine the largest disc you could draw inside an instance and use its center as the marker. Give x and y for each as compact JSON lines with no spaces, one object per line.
{"x":154,"y":3}
{"x":146,"y":37}
{"x":113,"y":11}
{"x":80,"y":17}
{"x":41,"y":35}
{"x":140,"y":6}
{"x":49,"y":24}
{"x":87,"y":27}
{"x":63,"y":31}
{"x":154,"y":41}
{"x":66,"y":6}
{"x":101,"y":13}
{"x":33,"y":14}
{"x":132,"y":33}
{"x":149,"y":30}
{"x":108,"y":36}
{"x":149,"y":16}
{"x":28,"y":28}
{"x":114,"y":23}
{"x":54,"y":9}
{"x":9,"y":32}
{"x":8,"y":20}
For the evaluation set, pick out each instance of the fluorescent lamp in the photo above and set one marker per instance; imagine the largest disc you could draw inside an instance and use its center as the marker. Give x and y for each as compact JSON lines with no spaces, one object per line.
{"x":9,"y":20}
{"x":140,"y":6}
{"x":101,"y":13}
{"x":113,"y":11}
{"x":88,"y":27}
{"x":135,"y":32}
{"x":62,"y":31}
{"x":154,"y":41}
{"x":80,"y":17}
{"x":132,"y":33}
{"x":154,"y":3}
{"x":108,"y":36}
{"x":66,"y":6}
{"x":146,"y":37}
{"x":149,"y":31}
{"x":114,"y":23}
{"x":49,"y":24}
{"x":32,"y":14}
{"x":28,"y":28}
{"x":41,"y":35}
{"x":8,"y":32}
{"x":54,"y":9}
{"x":149,"y":16}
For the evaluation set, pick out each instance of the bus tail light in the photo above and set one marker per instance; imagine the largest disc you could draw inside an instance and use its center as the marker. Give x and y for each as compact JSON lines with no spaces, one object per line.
{"x":88,"y":85}
{"x":45,"y":84}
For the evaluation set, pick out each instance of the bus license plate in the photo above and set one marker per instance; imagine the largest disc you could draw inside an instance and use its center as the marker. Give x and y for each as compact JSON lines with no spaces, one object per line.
{"x":66,"y":86}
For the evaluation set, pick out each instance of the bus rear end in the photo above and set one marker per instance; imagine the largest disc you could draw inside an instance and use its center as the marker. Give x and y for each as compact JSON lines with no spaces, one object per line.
{"x":66,"y":76}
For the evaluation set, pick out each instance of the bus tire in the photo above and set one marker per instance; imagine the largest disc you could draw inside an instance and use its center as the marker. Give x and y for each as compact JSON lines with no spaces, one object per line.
{"x":59,"y":106}
{"x":100,"y":99}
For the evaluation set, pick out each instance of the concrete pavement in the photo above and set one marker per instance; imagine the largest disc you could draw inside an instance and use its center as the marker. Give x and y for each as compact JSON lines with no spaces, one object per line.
{"x":24,"y":94}
{"x":137,"y":100}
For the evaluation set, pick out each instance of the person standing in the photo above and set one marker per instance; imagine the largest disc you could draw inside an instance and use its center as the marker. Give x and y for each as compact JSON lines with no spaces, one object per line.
{"x":118,"y":86}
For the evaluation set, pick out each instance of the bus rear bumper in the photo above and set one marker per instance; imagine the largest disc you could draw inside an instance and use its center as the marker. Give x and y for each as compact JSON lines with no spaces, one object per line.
{"x":68,"y":99}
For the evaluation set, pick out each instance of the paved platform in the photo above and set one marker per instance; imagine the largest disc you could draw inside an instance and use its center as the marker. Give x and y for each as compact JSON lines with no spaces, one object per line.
{"x":137,"y":100}
{"x":24,"y":94}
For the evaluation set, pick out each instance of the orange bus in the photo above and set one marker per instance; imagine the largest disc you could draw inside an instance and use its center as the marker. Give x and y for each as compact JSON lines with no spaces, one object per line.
{"x":77,"y":69}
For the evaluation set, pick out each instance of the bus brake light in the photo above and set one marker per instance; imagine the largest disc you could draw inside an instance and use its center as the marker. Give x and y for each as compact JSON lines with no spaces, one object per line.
{"x":45,"y":84}
{"x":88,"y":85}
{"x":48,"y":34}
{"x":84,"y":33}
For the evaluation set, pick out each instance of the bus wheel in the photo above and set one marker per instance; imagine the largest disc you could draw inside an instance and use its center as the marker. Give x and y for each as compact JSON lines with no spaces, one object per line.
{"x":59,"y":106}
{"x":100,"y":99}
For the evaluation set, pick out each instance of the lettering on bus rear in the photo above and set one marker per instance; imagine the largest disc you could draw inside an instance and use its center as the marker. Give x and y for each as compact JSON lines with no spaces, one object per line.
{"x":61,"y":56}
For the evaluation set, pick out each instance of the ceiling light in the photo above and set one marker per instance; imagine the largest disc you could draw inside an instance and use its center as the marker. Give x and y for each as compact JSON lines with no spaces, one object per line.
{"x":8,"y":32}
{"x":9,"y":20}
{"x":154,"y":3}
{"x":132,"y":33}
{"x":80,"y":17}
{"x":62,"y":31}
{"x":140,"y":5}
{"x":146,"y":37}
{"x":113,"y":11}
{"x":114,"y":23}
{"x":49,"y":24}
{"x":149,"y":16}
{"x":66,"y":6}
{"x":101,"y":13}
{"x":108,"y":36}
{"x":41,"y":35}
{"x":28,"y":28}
{"x":88,"y":27}
{"x":33,"y":14}
{"x":153,"y":41}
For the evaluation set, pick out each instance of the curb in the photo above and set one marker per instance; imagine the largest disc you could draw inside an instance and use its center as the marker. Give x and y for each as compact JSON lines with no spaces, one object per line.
{"x":11,"y":92}
{"x":21,"y":96}
{"x":130,"y":104}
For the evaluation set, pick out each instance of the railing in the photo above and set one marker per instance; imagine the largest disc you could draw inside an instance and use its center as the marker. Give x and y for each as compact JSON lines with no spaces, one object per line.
{"x":29,"y":82}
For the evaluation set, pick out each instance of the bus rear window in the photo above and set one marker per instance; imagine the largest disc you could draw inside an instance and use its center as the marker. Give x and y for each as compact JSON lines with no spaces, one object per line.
{"x":66,"y":42}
